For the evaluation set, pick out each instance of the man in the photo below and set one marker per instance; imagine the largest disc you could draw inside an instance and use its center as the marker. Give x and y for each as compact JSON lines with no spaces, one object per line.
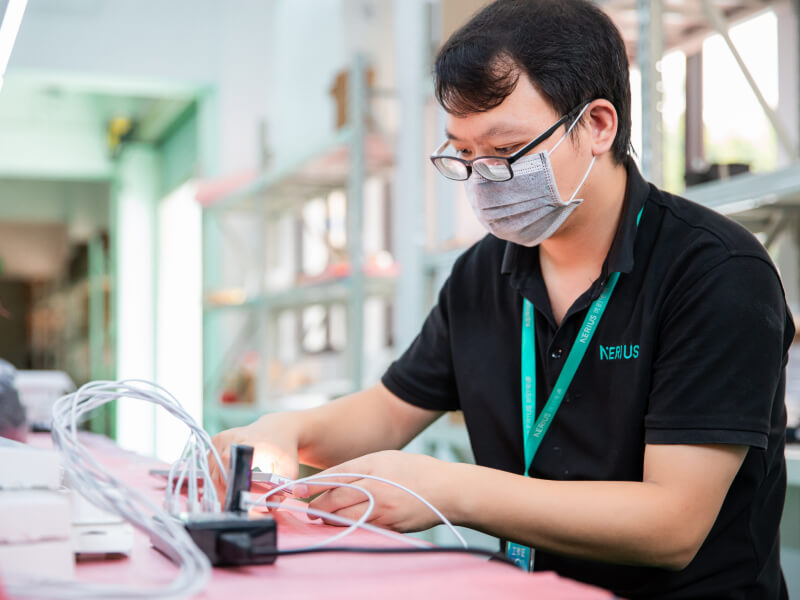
{"x":618,"y":352}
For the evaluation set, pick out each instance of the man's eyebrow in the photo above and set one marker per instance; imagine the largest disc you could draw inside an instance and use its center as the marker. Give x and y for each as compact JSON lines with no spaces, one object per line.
{"x":491,"y":132}
{"x":501,"y":130}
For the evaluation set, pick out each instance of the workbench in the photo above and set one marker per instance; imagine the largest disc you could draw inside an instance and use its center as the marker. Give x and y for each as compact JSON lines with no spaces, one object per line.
{"x":351,"y":576}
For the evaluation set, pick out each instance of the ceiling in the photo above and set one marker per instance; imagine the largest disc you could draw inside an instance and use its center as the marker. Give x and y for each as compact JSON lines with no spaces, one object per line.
{"x":685,"y":23}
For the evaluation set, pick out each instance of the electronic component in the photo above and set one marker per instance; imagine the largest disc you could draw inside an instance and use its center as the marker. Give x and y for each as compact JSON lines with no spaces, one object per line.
{"x":235,"y":540}
{"x":261,"y":479}
{"x":28,"y":516}
{"x":238,"y":476}
{"x":96,"y":531}
{"x":44,"y":560}
{"x":229,"y":539}
{"x":25,"y":467}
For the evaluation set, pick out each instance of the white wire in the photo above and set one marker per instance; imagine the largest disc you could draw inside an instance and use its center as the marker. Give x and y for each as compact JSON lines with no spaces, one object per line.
{"x":339,"y":519}
{"x":362,"y":520}
{"x":103,"y":489}
{"x":320,"y":478}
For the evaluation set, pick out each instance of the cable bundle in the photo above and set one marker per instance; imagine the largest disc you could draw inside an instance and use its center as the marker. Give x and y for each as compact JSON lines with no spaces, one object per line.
{"x":103,"y":489}
{"x":98,"y":485}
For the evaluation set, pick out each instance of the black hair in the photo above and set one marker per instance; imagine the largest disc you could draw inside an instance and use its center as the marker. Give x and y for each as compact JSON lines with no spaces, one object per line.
{"x":569,"y":49}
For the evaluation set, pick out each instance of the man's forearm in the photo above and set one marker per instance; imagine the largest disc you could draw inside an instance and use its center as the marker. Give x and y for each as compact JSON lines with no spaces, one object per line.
{"x":622,"y":522}
{"x":355,"y":425}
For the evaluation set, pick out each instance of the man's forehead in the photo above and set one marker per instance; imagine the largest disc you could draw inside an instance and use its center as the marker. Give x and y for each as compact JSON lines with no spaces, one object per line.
{"x":525,"y":110}
{"x":496,"y":130}
{"x":488,"y":127}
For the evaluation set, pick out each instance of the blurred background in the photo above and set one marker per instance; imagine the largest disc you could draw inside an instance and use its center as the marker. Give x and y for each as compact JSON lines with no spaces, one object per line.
{"x":233,"y":198}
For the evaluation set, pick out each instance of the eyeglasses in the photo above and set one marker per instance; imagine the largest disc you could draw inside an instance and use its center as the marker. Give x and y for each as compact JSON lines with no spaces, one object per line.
{"x":493,"y":168}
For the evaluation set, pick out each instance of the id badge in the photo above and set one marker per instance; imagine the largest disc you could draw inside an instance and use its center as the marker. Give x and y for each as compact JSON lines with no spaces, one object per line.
{"x":520,"y":555}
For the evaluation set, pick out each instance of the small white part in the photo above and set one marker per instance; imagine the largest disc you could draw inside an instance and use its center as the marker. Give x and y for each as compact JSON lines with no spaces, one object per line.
{"x":38,"y":392}
{"x":86,"y":513}
{"x":24,"y":467}
{"x":96,"y":531}
{"x":28,"y":516}
{"x":37,"y":561}
{"x":102,"y":538}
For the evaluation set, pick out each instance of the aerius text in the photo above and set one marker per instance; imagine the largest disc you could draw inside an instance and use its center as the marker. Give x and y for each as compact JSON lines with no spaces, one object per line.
{"x":625,"y":352}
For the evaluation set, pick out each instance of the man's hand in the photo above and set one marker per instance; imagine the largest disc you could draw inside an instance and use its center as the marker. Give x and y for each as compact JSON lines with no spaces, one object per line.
{"x":394,"y":508}
{"x":274,"y":443}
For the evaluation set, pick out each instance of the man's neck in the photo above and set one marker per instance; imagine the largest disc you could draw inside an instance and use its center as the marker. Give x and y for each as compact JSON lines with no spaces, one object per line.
{"x":584,"y":241}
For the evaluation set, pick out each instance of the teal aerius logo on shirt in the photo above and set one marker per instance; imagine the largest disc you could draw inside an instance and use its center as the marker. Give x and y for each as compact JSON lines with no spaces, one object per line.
{"x":625,"y":352}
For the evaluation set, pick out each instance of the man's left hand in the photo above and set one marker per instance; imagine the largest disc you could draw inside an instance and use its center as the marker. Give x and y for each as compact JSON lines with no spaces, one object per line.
{"x":394,"y":508}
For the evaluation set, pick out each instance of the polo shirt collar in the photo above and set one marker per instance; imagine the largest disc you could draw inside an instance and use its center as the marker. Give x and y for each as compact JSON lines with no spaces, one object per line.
{"x":522,"y":263}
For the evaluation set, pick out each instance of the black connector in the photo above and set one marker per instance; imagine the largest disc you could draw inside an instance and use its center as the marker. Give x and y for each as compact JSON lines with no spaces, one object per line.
{"x":231,"y":540}
{"x":238,"y":477}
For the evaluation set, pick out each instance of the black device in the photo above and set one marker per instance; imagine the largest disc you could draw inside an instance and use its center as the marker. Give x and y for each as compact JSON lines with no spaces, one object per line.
{"x":238,"y":477}
{"x":232,"y":538}
{"x":228,"y":539}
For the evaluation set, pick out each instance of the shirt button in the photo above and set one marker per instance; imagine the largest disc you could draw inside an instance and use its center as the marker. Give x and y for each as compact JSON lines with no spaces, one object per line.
{"x":602,"y":283}
{"x":556,"y":449}
{"x":566,"y":472}
{"x":557,"y":353}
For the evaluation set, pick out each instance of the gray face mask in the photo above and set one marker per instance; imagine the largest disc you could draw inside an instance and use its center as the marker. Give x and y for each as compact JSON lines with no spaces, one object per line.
{"x":527,"y":209}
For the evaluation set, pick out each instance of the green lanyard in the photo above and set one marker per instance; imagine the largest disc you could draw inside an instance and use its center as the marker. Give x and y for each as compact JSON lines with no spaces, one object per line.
{"x":533,"y":432}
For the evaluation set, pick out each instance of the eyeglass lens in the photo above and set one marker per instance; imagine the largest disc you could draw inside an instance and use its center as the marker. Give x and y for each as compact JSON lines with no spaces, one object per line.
{"x":493,"y":169}
{"x":452,"y":168}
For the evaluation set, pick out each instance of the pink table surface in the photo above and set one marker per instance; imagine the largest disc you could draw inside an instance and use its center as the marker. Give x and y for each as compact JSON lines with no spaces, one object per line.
{"x":351,"y":576}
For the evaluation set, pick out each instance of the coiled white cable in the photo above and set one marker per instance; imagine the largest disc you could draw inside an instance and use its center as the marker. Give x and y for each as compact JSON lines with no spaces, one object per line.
{"x":87,"y":476}
{"x":328,"y":479}
{"x":388,"y":533}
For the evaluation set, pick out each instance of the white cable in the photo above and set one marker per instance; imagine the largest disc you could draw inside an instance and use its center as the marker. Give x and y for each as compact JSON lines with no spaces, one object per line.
{"x":321,"y":477}
{"x":362,"y":520}
{"x":104,"y":490}
{"x":343,"y":520}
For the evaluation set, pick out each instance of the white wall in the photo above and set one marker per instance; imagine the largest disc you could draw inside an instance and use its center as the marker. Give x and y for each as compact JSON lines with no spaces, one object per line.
{"x":134,"y":209}
{"x":151,"y":46}
{"x":312,"y":41}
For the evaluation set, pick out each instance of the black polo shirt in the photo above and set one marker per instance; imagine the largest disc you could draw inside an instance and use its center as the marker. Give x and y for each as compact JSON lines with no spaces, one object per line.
{"x":691,"y":350}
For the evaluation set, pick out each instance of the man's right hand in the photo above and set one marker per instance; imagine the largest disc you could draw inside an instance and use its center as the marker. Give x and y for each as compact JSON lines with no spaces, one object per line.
{"x":335,"y":432}
{"x":274,"y":443}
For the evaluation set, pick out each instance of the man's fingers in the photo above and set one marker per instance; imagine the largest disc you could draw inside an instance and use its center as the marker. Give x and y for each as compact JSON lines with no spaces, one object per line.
{"x":353,"y":513}
{"x":317,"y":487}
{"x":217,"y":475}
{"x":337,"y":499}
{"x":351,"y":466}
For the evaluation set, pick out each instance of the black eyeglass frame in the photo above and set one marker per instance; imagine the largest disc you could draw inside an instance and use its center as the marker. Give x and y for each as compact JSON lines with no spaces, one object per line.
{"x":509,"y":160}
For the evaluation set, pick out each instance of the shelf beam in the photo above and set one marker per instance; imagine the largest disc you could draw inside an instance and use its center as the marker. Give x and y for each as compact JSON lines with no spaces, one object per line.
{"x":408,"y":211}
{"x":357,"y":111}
{"x":649,"y":52}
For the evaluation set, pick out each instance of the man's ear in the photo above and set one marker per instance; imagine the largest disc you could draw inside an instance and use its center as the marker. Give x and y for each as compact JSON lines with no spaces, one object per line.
{"x":601,"y":117}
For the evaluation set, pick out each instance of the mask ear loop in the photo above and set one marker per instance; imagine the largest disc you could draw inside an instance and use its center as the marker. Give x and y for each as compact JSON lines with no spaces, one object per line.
{"x":575,"y":122}
{"x":563,"y":137}
{"x":585,"y":175}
